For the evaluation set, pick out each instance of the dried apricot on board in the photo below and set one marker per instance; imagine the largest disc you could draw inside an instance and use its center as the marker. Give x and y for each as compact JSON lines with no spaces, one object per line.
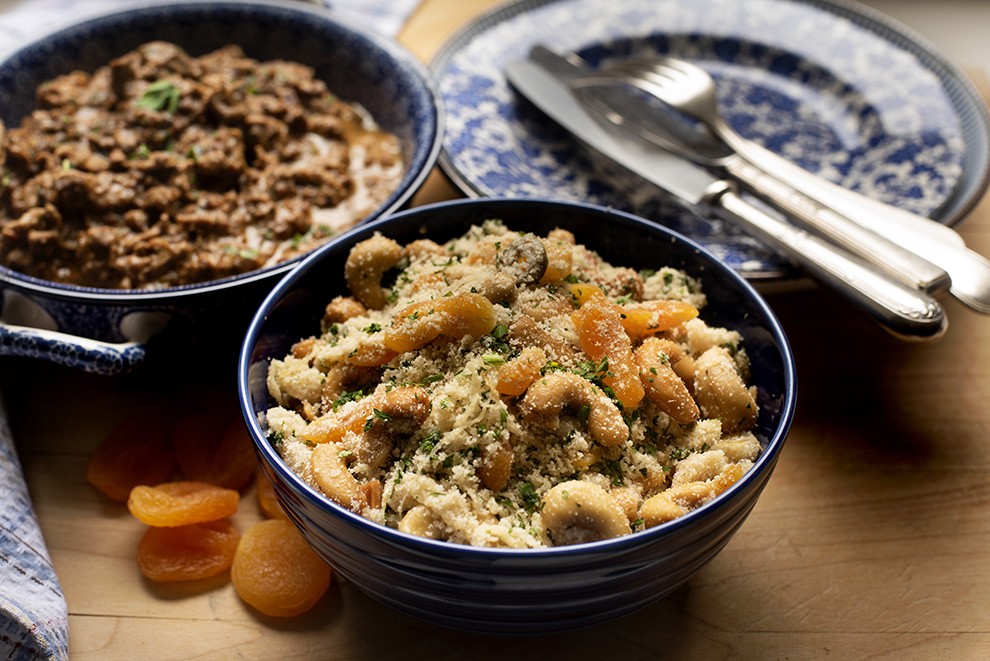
{"x":173,"y":504}
{"x":276,"y":571}
{"x":267,"y":500}
{"x":216,"y":448}
{"x":187,"y":553}
{"x":137,"y":451}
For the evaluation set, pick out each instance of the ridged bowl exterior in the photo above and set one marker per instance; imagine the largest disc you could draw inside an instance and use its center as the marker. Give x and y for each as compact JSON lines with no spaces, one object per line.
{"x":536,"y":590}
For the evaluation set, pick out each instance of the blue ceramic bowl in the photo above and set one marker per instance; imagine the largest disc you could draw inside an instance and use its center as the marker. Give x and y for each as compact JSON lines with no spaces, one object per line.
{"x":535,"y":590}
{"x":104,"y":330}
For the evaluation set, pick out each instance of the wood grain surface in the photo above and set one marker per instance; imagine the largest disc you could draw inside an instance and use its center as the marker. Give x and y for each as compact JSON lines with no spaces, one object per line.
{"x":872,"y":540}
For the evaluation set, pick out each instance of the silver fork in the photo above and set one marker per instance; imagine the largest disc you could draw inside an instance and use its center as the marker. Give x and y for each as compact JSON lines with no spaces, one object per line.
{"x":691,"y":91}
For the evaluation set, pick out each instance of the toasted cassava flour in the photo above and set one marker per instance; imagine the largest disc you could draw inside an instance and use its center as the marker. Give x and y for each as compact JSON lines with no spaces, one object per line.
{"x":510,"y":390}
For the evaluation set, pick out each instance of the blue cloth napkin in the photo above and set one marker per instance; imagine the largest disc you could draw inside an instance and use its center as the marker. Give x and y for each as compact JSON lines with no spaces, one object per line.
{"x":33,"y":614}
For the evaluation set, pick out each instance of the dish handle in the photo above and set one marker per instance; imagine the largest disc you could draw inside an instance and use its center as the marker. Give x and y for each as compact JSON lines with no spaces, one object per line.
{"x":82,"y":353}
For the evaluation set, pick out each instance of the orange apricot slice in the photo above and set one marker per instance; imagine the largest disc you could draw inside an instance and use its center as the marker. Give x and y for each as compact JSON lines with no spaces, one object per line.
{"x":600,"y":334}
{"x":187,"y":553}
{"x":181,"y":503}
{"x":276,"y":571}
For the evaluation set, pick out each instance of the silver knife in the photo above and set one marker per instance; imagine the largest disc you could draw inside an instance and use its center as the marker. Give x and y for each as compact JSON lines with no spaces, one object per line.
{"x":904,"y":311}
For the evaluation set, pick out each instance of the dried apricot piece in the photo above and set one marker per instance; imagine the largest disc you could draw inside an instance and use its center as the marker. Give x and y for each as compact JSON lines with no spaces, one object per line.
{"x":137,"y":451}
{"x":181,"y":503}
{"x":267,"y":500}
{"x":600,"y":333}
{"x":187,"y":553}
{"x":215,"y":448}
{"x":516,"y":375}
{"x":276,"y":571}
{"x":651,"y":317}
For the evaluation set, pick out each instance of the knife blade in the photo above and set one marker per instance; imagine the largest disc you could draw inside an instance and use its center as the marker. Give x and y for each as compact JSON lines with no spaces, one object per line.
{"x":904,"y":311}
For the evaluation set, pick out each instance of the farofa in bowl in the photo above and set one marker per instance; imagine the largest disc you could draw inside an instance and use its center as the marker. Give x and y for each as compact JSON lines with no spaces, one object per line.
{"x":520,"y":590}
{"x":506,"y":389}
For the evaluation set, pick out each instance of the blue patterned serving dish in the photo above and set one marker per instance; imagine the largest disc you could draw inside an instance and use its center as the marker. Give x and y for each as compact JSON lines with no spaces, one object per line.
{"x":536,"y":590}
{"x":109,"y":331}
{"x":838,"y":88}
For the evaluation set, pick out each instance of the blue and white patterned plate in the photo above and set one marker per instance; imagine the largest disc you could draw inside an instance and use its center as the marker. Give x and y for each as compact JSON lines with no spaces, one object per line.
{"x":839,"y":89}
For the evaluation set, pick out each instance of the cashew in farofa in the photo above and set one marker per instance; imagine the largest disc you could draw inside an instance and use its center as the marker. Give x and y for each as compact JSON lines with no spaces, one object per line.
{"x":366,"y":264}
{"x":421,"y":521}
{"x":680,"y":499}
{"x":342,"y":308}
{"x":547,"y":397}
{"x":664,"y":388}
{"x":721,"y":393}
{"x":332,"y":477}
{"x":342,"y":378}
{"x":576,"y":512}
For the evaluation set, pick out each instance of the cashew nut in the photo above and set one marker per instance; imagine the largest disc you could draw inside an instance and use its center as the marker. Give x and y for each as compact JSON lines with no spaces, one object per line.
{"x":721,"y":393}
{"x":546,"y":398}
{"x":342,"y":308}
{"x":342,"y":378}
{"x":332,"y":477}
{"x":575,"y":512}
{"x":366,"y":264}
{"x":424,"y":248}
{"x":675,"y":502}
{"x":420,"y":521}
{"x":528,"y":332}
{"x":664,"y":388}
{"x":337,"y":483}
{"x":681,"y":498}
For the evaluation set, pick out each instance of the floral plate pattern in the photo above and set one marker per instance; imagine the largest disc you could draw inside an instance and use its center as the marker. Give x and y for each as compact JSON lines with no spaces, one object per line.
{"x":838,"y":89}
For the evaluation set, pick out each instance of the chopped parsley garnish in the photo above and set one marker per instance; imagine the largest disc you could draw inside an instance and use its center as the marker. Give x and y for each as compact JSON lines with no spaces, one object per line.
{"x":612,"y":469}
{"x":347,"y":396}
{"x":530,"y":499}
{"x":160,"y":95}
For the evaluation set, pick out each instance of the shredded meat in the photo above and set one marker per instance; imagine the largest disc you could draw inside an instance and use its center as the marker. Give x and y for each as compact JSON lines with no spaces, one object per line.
{"x":162,"y":169}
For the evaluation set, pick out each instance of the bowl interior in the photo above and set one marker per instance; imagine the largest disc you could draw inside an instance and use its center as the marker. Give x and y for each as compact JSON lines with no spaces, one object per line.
{"x":530,"y":590}
{"x":295,"y":307}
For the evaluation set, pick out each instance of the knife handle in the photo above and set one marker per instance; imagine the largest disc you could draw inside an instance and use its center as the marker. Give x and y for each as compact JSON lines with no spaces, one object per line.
{"x":855,"y":238}
{"x":905,"y":311}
